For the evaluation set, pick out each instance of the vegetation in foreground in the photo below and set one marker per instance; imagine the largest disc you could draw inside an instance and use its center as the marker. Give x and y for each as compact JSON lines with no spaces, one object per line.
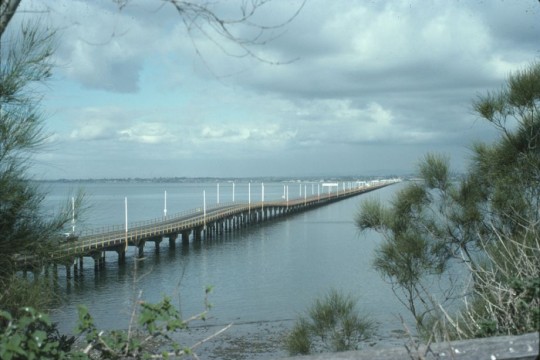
{"x":31,"y":335}
{"x":332,"y":324}
{"x":488,"y":223}
{"x":27,"y":233}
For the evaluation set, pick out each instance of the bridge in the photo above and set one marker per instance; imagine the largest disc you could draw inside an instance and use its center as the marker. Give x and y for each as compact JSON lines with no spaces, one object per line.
{"x":193,"y":225}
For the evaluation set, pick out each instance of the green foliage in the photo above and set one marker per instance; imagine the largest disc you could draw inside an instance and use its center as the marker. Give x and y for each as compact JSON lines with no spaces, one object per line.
{"x":28,"y":234}
{"x":434,"y":171}
{"x":488,"y":221}
{"x":31,"y":336}
{"x":157,"y":322}
{"x":332,"y":324}
{"x":33,"y":293}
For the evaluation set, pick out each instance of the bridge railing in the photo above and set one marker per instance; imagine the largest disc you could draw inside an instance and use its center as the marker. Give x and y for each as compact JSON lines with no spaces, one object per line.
{"x":136,"y":224}
{"x":161,"y":220}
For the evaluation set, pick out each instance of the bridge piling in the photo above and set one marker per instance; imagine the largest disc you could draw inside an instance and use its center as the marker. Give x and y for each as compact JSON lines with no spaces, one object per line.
{"x":96,"y":256}
{"x":140,"y":246}
{"x":172,"y":240}
{"x":197,"y":236}
{"x":121,"y":251}
{"x":68,"y":271}
{"x":157,"y":242}
{"x":185,"y":237}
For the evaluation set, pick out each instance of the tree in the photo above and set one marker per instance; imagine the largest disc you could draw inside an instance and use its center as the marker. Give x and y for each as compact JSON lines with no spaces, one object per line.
{"x":26,"y":232}
{"x":7,"y":10}
{"x":488,"y":221}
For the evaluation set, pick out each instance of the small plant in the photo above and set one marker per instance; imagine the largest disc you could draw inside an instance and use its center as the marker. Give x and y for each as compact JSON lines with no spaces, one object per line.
{"x":157,"y":322}
{"x":333,"y":324}
{"x":31,"y":335}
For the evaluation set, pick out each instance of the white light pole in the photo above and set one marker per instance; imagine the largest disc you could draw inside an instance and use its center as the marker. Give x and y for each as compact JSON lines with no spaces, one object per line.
{"x":165,"y":206}
{"x":126,"y":219}
{"x":262,"y":195}
{"x":126,"y":213}
{"x":249,"y":197}
{"x":318,"y":192}
{"x":72,"y":215}
{"x":300,"y":190}
{"x":233,"y":192}
{"x":305,"y":194}
{"x":287,"y":196}
{"x":204,"y":206}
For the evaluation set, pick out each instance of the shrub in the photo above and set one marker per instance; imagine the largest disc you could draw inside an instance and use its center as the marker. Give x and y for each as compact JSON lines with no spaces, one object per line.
{"x":332,"y":324}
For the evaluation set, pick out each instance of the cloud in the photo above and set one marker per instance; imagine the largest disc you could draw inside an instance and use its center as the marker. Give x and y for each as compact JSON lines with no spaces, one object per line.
{"x":373,"y":82}
{"x":147,"y":133}
{"x":102,"y":48}
{"x":92,"y":123}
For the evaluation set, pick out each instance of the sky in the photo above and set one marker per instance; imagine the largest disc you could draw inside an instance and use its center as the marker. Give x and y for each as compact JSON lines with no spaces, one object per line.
{"x":321,"y":88}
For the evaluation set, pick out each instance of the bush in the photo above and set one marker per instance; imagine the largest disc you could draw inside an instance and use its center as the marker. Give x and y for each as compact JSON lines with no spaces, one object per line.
{"x":332,"y":324}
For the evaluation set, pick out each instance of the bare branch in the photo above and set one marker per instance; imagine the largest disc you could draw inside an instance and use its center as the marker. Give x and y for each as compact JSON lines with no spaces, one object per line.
{"x":7,"y":10}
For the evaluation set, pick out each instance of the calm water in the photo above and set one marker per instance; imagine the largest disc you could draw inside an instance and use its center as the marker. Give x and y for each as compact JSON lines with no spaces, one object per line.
{"x":265,"y":273}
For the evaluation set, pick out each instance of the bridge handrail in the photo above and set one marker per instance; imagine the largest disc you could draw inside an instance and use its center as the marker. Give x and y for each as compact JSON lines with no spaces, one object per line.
{"x":135,"y":224}
{"x":160,"y":226}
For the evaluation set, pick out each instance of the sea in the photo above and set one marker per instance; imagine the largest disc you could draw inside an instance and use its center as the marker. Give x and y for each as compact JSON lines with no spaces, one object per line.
{"x":262,"y":278}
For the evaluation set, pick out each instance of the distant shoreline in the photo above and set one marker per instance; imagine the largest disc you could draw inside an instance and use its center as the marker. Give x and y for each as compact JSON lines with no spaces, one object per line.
{"x":284,"y":179}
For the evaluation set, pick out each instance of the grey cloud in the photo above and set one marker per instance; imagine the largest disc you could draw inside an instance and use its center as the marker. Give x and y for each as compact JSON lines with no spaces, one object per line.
{"x":376,"y":85}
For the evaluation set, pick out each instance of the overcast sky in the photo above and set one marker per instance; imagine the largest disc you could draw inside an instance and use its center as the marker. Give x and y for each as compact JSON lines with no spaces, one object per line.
{"x":361,"y":88}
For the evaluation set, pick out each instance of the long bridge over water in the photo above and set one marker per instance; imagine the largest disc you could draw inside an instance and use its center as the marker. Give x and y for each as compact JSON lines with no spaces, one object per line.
{"x":193,"y":225}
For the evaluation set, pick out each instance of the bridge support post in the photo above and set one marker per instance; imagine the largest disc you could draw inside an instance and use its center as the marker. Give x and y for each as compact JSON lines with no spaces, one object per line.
{"x":157,"y":241}
{"x":95,"y":256}
{"x":172,"y":240}
{"x":185,"y":237}
{"x":140,"y":246}
{"x":121,"y":251}
{"x":68,"y":271}
{"x":198,"y":233}
{"x":211,"y":229}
